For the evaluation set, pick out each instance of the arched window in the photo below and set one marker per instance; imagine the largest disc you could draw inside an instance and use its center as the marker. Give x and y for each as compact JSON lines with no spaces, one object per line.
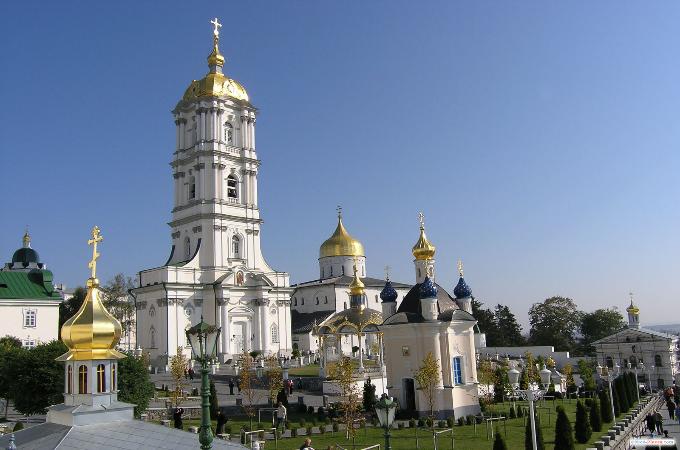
{"x":236,"y":246}
{"x":82,"y":379}
{"x":101,"y":378}
{"x":187,"y":248}
{"x":152,"y":311}
{"x":275,"y":333}
{"x":113,"y":376}
{"x":69,"y":381}
{"x":657,"y":361}
{"x":457,"y":370}
{"x":326,"y":300}
{"x":192,"y":188}
{"x":228,"y":133}
{"x":232,"y":187}
{"x":610,"y":362}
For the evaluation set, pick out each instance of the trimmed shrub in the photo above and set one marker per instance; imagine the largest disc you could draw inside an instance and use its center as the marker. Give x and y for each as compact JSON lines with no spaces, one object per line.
{"x":605,"y":407}
{"x":336,"y":426}
{"x":539,"y":436}
{"x":461,"y":421}
{"x":499,"y":442}
{"x":450,"y":421}
{"x":322,"y":429}
{"x":421,"y":422}
{"x":412,"y":423}
{"x":293,"y":432}
{"x":442,"y":424}
{"x":428,"y":422}
{"x":303,"y":422}
{"x":595,"y":415}
{"x":512,"y":414}
{"x":520,"y":411}
{"x":308,"y":430}
{"x":18,"y":426}
{"x":469,"y":419}
{"x":400,"y":425}
{"x":227,"y":428}
{"x":310,"y":410}
{"x":582,"y":428}
{"x":564,"y":435}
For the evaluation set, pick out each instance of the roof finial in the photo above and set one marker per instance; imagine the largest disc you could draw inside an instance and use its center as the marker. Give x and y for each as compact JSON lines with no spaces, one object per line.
{"x":27,"y":238}
{"x":460,"y":267}
{"x":421,"y":219}
{"x":339,"y":210}
{"x":215,"y":59}
{"x":387,"y":273}
{"x":96,"y":238}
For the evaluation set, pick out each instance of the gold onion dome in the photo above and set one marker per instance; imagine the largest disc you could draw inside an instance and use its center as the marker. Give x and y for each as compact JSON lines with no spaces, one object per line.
{"x":215,"y":84}
{"x":341,"y":243}
{"x":356,"y":287}
{"x":632,"y":308}
{"x":423,"y":250}
{"x":92,"y":333}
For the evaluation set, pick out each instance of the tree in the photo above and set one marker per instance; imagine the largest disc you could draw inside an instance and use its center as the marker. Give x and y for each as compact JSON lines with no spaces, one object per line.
{"x":582,"y":428}
{"x":486,"y":322}
{"x":214,"y":404}
{"x":585,"y":370}
{"x":499,"y":442}
{"x":569,"y":374}
{"x":38,"y":378}
{"x":564,"y":435}
{"x":343,"y":372}
{"x":598,"y":324}
{"x":554,"y":322}
{"x":117,"y":301}
{"x":427,"y":377}
{"x":605,"y":407}
{"x":509,"y":329}
{"x":134,"y":385}
{"x":8,"y":342}
{"x":70,"y":307}
{"x":528,"y":445}
{"x":617,"y":403}
{"x":248,"y":393}
{"x":486,"y":377}
{"x":501,"y":383}
{"x":178,"y":369}
{"x":595,"y":415}
{"x":10,"y":356}
{"x":274,"y":375}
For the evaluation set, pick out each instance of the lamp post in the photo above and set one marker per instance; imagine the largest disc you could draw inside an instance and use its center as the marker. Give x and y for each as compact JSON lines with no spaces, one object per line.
{"x":203,"y":339}
{"x":385,"y":409}
{"x":530,"y":394}
{"x":609,"y":377}
{"x":637,"y":386}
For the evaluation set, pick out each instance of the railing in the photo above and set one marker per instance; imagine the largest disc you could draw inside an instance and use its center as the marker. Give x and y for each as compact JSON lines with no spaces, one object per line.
{"x":249,"y":434}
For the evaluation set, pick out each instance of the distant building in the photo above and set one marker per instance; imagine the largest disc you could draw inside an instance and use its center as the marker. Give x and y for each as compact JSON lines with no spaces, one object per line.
{"x":29,"y":301}
{"x":657,"y":351}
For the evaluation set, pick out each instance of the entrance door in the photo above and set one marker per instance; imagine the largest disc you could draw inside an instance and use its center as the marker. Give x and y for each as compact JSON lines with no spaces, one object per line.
{"x":238,"y":338}
{"x":409,"y":394}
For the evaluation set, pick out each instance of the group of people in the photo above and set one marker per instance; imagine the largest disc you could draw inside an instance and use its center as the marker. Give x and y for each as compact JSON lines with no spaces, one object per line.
{"x":189,"y":373}
{"x":655,"y":420}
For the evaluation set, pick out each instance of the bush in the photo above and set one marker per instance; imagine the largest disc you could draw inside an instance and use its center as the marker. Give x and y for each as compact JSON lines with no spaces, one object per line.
{"x":313,"y":422}
{"x":322,"y":429}
{"x":302,"y":408}
{"x":582,"y":429}
{"x":461,"y":421}
{"x":412,"y":423}
{"x":428,"y":422}
{"x":400,"y":425}
{"x":520,"y":411}
{"x":227,"y":428}
{"x":321,"y":412}
{"x":539,"y":436}
{"x":421,"y":422}
{"x":499,"y":443}
{"x":450,"y":421}
{"x":605,"y":407}
{"x":310,"y":410}
{"x":512,"y":413}
{"x":442,"y":424}
{"x":469,"y":419}
{"x":246,"y":427}
{"x":293,"y":432}
{"x":596,"y":415}
{"x":303,"y":422}
{"x":336,"y":427}
{"x":18,"y":426}
{"x":564,"y":435}
{"x":308,"y":430}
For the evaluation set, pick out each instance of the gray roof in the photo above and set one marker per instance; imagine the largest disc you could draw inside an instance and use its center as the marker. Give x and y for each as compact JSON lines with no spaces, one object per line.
{"x":630,"y":330}
{"x":345,"y":280}
{"x":128,"y":435}
{"x":304,"y":322}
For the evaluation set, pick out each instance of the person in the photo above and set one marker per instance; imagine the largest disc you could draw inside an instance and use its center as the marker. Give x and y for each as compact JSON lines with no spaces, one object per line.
{"x":177,"y":417}
{"x":290,"y":386}
{"x":307,"y":445}
{"x":659,"y":422}
{"x":677,"y":412}
{"x":651,"y":422}
{"x":238,"y":385}
{"x":231,"y":386}
{"x":191,"y":373}
{"x":280,"y":415}
{"x":221,"y":421}
{"x":670,"y":404}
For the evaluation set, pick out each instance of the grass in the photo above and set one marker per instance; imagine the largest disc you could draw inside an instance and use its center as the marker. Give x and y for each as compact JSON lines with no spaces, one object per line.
{"x":311,"y":370}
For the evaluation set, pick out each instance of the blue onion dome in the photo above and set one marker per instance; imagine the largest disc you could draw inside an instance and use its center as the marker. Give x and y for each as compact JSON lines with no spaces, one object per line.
{"x":462,"y":290}
{"x":428,"y":289}
{"x":388,"y":294}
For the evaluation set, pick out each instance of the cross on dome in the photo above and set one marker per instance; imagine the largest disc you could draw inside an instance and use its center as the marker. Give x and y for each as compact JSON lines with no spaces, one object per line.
{"x":217,"y":25}
{"x":460,"y":267}
{"x":339,"y":210}
{"x":387,"y":272}
{"x":96,"y":238}
{"x":421,"y":219}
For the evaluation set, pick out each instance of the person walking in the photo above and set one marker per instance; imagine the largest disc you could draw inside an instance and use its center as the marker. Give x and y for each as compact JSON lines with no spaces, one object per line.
{"x":670,"y":404}
{"x":651,"y":422}
{"x":177,"y":418}
{"x":191,"y":373}
{"x":231,"y":386}
{"x":238,"y":385}
{"x":221,"y":422}
{"x":659,"y":422}
{"x":281,"y":414}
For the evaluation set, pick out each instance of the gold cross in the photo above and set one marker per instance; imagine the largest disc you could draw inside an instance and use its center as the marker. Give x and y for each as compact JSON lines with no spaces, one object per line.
{"x":339,"y":210}
{"x":421,"y":218}
{"x":460,"y":267}
{"x":96,"y":238}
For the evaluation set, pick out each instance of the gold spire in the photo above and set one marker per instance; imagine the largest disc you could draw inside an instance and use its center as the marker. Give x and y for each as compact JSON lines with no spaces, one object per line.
{"x":423,"y":250}
{"x":356,"y":287}
{"x":92,"y":333}
{"x":341,"y":243}
{"x":215,"y":59}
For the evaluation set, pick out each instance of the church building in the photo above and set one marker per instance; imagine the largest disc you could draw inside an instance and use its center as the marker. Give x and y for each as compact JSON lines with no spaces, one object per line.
{"x":428,"y":320}
{"x":314,"y":301}
{"x":216,"y":268}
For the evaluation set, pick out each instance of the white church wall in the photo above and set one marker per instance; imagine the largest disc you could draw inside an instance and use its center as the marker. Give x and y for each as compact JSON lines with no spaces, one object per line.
{"x":14,"y":315}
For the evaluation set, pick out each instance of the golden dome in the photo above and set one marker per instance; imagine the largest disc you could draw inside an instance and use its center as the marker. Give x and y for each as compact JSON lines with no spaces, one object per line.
{"x":356,"y":287}
{"x":341,"y":243}
{"x":92,"y":333}
{"x":423,"y":250}
{"x":632,"y":308}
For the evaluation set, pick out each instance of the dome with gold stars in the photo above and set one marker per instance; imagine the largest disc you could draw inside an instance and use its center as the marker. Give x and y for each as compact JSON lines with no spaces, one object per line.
{"x":341,"y":243}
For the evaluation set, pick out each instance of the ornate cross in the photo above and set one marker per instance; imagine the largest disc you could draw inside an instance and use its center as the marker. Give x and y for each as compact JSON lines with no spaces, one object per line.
{"x":421,"y":218}
{"x":96,"y":238}
{"x":460,"y":267}
{"x":217,"y":25}
{"x":339,"y":210}
{"x":631,"y":297}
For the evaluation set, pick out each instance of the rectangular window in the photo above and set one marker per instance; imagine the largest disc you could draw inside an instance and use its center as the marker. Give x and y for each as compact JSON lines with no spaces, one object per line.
{"x":29,"y":343}
{"x":457,"y":370}
{"x":29,"y":318}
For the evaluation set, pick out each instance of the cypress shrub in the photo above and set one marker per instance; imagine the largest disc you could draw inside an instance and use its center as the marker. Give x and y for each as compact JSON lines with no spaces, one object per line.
{"x":539,"y":436}
{"x":499,"y":442}
{"x":605,"y":407}
{"x":582,"y":428}
{"x":214,"y":405}
{"x":595,"y":415}
{"x":564,"y":435}
{"x":617,"y":405}
{"x":512,"y":413}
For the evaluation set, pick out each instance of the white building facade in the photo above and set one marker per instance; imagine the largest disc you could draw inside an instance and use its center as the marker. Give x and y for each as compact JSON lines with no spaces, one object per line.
{"x":216,"y":268}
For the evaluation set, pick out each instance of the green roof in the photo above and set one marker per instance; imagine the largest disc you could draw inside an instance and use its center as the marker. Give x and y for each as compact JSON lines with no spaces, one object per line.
{"x":36,"y":284}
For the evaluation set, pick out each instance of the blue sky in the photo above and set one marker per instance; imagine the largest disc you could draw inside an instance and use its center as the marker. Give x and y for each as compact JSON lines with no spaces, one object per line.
{"x":540,"y":139}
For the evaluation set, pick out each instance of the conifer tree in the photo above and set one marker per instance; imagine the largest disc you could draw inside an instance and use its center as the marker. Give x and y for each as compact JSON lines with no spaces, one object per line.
{"x":595,"y":415}
{"x":214,"y":404}
{"x":605,"y":407}
{"x":528,"y":445}
{"x":564,"y":435}
{"x":582,"y":428}
{"x":499,"y":442}
{"x":617,"y":405}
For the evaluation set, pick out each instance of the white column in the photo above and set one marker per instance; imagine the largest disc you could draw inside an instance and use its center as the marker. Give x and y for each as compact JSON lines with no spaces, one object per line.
{"x":244,"y":132}
{"x":220,"y":125}
{"x":253,"y":199}
{"x":252,"y":131}
{"x":202,"y":123}
{"x":182,"y":133}
{"x":178,"y":127}
{"x":266,"y":335}
{"x":436,"y":352}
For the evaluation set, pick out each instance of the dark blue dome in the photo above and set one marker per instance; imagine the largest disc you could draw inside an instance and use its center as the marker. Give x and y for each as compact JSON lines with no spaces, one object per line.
{"x":25,"y":256}
{"x":388,"y":294}
{"x":462,"y":290}
{"x":428,"y":289}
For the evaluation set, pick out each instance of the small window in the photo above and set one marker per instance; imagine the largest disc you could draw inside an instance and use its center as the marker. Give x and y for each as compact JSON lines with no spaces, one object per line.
{"x":82,"y":379}
{"x":69,"y":380}
{"x":326,"y":300}
{"x":457,"y":370}
{"x":344,"y":305}
{"x":331,"y":270}
{"x":275,"y":333}
{"x":317,"y":300}
{"x":236,"y":246}
{"x":29,"y":343}
{"x":101,"y":378}
{"x":303,"y":301}
{"x":294,"y":301}
{"x":232,"y":190}
{"x":228,"y":133}
{"x":152,"y":337}
{"x":376,"y":298}
{"x":192,"y":188}
{"x":657,"y":361}
{"x":29,"y":318}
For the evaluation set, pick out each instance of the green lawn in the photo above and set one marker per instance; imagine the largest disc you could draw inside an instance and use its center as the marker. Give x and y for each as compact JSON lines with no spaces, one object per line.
{"x":405,"y":439}
{"x":306,"y":371}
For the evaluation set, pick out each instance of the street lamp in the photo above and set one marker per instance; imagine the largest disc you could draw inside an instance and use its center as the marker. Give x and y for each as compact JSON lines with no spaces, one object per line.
{"x":203,"y":339}
{"x":385,"y":409}
{"x":637,"y":385}
{"x":609,"y":377}
{"x":530,"y":394}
